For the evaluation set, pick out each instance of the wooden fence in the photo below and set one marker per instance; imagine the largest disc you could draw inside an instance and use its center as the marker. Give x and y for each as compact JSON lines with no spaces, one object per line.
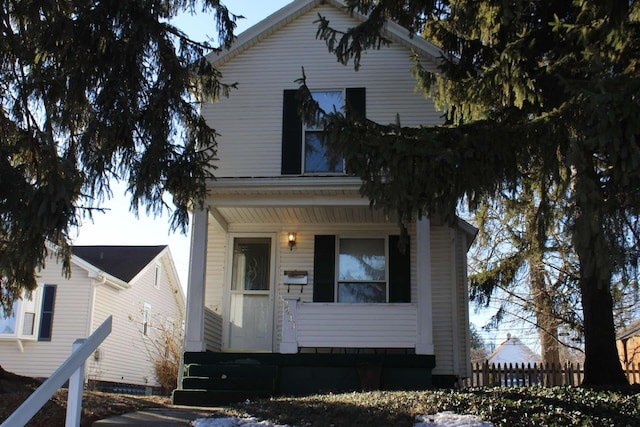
{"x":544,"y":375}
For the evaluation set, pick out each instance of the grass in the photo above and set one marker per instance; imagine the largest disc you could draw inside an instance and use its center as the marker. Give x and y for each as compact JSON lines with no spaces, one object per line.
{"x":504,"y":406}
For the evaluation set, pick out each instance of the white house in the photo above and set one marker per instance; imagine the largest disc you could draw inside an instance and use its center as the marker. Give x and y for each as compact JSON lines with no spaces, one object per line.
{"x":290,"y":268}
{"x":513,"y":351}
{"x":137,"y":285}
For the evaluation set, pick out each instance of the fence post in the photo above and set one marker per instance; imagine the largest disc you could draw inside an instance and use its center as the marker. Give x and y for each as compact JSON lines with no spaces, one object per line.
{"x":74,"y":396}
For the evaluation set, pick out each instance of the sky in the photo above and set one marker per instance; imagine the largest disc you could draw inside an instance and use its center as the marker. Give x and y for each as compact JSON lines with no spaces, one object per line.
{"x":118,"y":226}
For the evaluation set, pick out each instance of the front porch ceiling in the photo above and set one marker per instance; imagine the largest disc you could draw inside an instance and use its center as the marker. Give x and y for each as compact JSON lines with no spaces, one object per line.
{"x":302,"y":215}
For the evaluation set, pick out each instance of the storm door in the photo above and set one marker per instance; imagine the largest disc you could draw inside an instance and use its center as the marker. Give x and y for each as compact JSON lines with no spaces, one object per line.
{"x":251,"y":302}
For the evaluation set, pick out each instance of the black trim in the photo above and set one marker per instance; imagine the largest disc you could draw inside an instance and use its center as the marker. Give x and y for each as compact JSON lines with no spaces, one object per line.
{"x":399,"y":271}
{"x":291,"y":135}
{"x":356,"y":101}
{"x":46,"y":314}
{"x":324,"y":268}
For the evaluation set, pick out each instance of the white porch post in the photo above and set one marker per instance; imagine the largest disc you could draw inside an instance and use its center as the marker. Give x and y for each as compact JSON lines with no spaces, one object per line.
{"x":424,"y":343}
{"x":194,"y":327}
{"x":289,"y":342}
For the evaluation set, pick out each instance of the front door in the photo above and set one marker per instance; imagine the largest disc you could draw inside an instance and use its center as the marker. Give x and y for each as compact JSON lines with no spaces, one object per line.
{"x":251,"y":305}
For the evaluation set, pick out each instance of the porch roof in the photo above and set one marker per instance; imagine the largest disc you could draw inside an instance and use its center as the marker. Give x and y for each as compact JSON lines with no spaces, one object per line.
{"x":300,"y":200}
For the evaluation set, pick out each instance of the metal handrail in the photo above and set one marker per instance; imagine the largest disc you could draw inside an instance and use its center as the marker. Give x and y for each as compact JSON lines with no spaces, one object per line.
{"x":71,"y":369}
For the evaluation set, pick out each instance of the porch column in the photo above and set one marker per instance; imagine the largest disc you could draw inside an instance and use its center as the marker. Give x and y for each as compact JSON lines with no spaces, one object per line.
{"x":194,"y":327}
{"x":424,"y":343}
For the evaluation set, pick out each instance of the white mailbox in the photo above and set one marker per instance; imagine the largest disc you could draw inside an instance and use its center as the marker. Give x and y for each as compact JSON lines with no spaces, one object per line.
{"x":294,"y":277}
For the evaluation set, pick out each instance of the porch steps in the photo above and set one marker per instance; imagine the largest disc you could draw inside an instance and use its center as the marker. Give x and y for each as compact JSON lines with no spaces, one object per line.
{"x":225,"y":382}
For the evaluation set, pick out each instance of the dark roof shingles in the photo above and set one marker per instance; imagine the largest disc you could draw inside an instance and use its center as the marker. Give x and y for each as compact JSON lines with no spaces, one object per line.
{"x":123,"y":262}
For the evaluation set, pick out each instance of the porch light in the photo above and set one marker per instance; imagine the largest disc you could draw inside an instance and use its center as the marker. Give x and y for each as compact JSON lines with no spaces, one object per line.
{"x":292,"y":241}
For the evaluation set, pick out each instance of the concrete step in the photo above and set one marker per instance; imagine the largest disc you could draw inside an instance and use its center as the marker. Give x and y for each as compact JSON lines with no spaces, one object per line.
{"x":210,"y":398}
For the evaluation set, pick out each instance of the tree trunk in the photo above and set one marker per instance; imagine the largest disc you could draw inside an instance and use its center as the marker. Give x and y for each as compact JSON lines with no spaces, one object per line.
{"x":602,"y":365}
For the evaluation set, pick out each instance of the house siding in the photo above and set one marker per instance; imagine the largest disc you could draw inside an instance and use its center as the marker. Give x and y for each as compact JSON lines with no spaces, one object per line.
{"x":443,"y":297}
{"x":70,"y":322}
{"x":126,"y":341}
{"x":461,"y":301}
{"x":214,"y":302}
{"x":250,"y":121}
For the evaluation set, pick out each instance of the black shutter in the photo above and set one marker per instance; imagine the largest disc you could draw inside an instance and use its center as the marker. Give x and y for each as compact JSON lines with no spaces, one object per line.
{"x":399,"y":271}
{"x":324,"y":268}
{"x":291,"y":135}
{"x":46,"y":314}
{"x":356,"y":100}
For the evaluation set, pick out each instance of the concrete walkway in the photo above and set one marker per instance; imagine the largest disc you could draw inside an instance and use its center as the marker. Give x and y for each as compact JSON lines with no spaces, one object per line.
{"x":158,"y":417}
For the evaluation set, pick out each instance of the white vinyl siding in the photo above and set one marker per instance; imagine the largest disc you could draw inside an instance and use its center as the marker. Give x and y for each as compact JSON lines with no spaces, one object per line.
{"x":250,"y":120}
{"x":216,"y":246}
{"x":70,"y":322}
{"x":442,"y":294}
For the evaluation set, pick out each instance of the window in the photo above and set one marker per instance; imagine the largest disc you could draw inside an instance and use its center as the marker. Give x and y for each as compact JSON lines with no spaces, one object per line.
{"x":156,"y":277}
{"x":146,"y":319}
{"x":32,"y":316}
{"x":315,"y":152}
{"x":361,"y":270}
{"x":302,"y":148}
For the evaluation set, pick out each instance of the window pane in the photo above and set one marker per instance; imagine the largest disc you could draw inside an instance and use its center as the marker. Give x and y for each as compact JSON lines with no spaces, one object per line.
{"x":362,"y":259}
{"x":328,"y":101}
{"x":29,"y":323}
{"x":315,"y":155}
{"x":8,"y":324}
{"x":251,"y":264}
{"x":362,"y":292}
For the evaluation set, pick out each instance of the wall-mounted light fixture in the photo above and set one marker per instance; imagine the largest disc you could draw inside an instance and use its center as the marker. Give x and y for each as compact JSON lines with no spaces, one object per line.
{"x":292,"y":240}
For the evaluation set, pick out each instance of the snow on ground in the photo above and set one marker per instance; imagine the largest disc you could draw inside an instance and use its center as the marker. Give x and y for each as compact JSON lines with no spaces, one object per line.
{"x":442,"y":419}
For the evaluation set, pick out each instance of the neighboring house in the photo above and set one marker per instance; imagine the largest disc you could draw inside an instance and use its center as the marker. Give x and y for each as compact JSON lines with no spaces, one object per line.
{"x":290,"y":267}
{"x":629,"y":344}
{"x":513,"y":351}
{"x":137,"y":285}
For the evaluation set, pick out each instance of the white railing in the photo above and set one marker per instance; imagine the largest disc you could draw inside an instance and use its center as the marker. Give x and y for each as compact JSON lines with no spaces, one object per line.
{"x":71,"y":369}
{"x":347,"y":325}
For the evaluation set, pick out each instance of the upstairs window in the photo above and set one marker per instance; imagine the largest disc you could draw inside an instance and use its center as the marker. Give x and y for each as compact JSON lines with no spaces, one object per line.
{"x":156,"y":276}
{"x":302,"y":144}
{"x":316,"y":159}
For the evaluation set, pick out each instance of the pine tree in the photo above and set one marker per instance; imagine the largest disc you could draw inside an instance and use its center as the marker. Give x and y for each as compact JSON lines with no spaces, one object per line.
{"x":554,"y":80}
{"x":93,"y":91}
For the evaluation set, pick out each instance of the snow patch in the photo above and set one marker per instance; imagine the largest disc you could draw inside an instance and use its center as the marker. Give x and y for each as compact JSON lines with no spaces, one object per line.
{"x":449,"y":419}
{"x":441,"y":419}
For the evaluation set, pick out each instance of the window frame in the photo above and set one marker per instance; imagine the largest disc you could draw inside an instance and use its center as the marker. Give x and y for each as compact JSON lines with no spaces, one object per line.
{"x":19,"y":316}
{"x":146,"y":319}
{"x":320,"y":131}
{"x":337,"y":281}
{"x":157,"y":274}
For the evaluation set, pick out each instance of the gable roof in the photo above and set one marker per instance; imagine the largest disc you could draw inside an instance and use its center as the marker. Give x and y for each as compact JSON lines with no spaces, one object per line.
{"x":122,"y":262}
{"x":631,"y":330}
{"x":513,"y":351}
{"x":296,"y":8}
